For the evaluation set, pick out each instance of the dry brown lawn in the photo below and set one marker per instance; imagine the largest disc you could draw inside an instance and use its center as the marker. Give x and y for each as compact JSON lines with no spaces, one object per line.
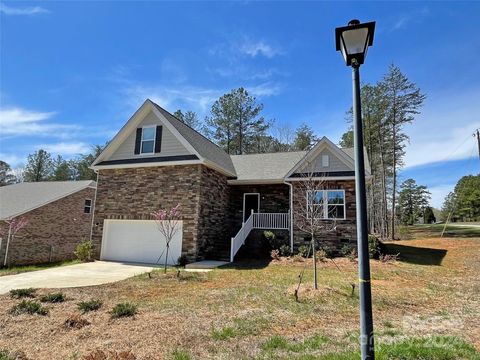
{"x":230,"y":313}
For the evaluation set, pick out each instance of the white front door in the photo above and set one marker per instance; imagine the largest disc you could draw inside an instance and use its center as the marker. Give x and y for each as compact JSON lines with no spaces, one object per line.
{"x":138,"y":241}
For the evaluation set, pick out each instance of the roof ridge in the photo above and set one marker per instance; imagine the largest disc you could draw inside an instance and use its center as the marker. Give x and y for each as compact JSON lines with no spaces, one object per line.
{"x":188,"y":126}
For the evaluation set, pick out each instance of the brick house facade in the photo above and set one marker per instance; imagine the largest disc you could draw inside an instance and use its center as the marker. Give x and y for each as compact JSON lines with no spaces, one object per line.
{"x":156,"y":162}
{"x":52,"y":231}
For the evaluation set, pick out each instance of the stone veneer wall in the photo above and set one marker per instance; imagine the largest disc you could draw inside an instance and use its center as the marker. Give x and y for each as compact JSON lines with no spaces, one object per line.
{"x":214,"y":241}
{"x":134,"y":193}
{"x":52,"y":233}
{"x":345,"y":231}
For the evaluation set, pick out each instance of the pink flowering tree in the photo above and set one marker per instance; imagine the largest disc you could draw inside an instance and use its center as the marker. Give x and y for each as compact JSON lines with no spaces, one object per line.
{"x":13,"y":227}
{"x":167,"y":223}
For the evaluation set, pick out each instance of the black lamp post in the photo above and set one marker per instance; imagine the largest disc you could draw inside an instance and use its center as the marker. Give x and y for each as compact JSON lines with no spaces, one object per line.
{"x":353,"y":41}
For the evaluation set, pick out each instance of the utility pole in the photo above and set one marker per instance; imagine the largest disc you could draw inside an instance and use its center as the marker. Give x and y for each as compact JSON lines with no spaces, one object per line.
{"x":477,"y":134}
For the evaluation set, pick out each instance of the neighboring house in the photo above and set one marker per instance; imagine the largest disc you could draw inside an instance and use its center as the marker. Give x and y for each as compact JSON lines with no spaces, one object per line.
{"x":156,"y":161}
{"x":58,"y":214}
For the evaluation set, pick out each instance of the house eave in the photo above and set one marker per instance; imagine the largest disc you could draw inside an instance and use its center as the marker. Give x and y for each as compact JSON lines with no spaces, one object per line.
{"x":143,"y":164}
{"x":255,"y":182}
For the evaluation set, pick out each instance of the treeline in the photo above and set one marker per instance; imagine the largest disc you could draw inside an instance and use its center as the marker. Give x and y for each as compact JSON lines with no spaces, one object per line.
{"x":42,"y":166}
{"x":387,"y":106}
{"x":463,"y":203}
{"x":235,"y":123}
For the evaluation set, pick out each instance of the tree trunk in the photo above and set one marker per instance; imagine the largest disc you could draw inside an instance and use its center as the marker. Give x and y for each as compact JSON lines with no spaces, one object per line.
{"x":315,"y":280}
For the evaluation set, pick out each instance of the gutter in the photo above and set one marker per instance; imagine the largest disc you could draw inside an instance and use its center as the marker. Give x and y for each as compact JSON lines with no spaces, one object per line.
{"x":93,"y":207}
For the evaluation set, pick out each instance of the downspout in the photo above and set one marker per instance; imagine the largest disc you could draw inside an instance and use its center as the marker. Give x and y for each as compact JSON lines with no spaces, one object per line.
{"x":93,"y":207}
{"x":8,"y":244}
{"x":291,"y":213}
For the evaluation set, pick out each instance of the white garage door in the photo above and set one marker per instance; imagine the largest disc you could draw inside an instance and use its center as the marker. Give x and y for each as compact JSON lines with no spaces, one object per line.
{"x":138,"y":241}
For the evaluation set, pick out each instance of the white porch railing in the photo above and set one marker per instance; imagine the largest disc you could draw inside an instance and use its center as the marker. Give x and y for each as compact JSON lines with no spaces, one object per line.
{"x":274,"y":221}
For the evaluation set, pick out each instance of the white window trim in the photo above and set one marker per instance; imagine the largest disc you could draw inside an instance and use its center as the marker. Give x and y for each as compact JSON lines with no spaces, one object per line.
{"x":87,"y":206}
{"x":325,"y":203}
{"x":154,"y":140}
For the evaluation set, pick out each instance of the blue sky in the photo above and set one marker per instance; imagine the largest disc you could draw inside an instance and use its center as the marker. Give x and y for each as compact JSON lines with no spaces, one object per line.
{"x":73,"y":72}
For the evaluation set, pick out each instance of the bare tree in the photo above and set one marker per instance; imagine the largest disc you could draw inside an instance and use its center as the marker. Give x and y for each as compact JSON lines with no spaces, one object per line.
{"x":314,"y":209}
{"x":13,"y":227}
{"x":167,"y":223}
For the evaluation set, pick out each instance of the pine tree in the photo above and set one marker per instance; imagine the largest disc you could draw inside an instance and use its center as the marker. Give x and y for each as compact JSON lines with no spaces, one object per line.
{"x":190,"y":118}
{"x":39,"y":166}
{"x":305,"y":138}
{"x":413,"y":200}
{"x":62,"y":171}
{"x":6,"y":175}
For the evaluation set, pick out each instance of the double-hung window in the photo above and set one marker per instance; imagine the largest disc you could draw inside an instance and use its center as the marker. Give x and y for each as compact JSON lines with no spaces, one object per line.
{"x":87,"y":209}
{"x":326,"y":204}
{"x":147,"y":145}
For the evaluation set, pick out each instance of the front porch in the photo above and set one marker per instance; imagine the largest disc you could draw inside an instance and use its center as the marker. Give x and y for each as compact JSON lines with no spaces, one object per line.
{"x":261,"y":221}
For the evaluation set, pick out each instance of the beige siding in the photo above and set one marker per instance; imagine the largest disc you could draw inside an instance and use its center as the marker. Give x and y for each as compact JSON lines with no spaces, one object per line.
{"x":171,"y":146}
{"x":335,"y":164}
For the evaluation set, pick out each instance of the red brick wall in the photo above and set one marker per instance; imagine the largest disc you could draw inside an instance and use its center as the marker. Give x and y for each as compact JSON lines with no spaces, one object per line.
{"x":52,"y":232}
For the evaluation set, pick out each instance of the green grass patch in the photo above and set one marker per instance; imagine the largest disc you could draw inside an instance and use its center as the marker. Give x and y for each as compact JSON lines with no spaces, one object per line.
{"x":23,"y":293}
{"x":278,"y":342}
{"x":124,"y":309}
{"x":181,"y":355}
{"x":89,"y":305}
{"x":12,"y":270}
{"x":53,"y":297}
{"x":431,"y":348}
{"x":29,"y":307}
{"x":224,"y":334}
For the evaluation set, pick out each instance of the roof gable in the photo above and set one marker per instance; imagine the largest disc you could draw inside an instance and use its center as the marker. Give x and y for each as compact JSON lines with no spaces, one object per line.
{"x":192,"y":143}
{"x":312,"y":159}
{"x":18,"y":199}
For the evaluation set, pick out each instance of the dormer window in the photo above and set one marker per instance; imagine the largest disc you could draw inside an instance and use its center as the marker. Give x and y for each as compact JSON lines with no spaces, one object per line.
{"x":148,"y":140}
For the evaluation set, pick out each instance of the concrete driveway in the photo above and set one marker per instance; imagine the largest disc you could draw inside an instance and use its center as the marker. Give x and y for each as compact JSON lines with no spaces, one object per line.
{"x":86,"y":274}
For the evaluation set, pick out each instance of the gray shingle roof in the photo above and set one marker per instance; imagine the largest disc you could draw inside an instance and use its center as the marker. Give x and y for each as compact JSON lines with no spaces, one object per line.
{"x":350,"y":152}
{"x":205,"y":147}
{"x":272,"y":166}
{"x":20,"y":198}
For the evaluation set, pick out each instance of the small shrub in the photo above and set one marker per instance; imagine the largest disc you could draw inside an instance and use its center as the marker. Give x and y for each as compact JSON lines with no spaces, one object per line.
{"x":90,"y":305}
{"x":353,"y":255}
{"x":22,"y":293}
{"x":84,"y":251}
{"x":269,"y":235}
{"x":373,"y":247}
{"x":386,"y":258}
{"x":124,"y":309}
{"x":329,"y":251}
{"x":275,"y":254}
{"x":321,"y":255}
{"x":110,"y":355}
{"x":29,"y":307}
{"x":284,"y":250}
{"x":182,"y":260}
{"x":75,"y":321}
{"x":53,"y":298}
{"x":304,"y":250}
{"x":345,"y":250}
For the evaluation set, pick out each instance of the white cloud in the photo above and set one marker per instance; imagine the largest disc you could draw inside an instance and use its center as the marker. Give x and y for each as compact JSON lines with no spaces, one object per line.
{"x":438,"y":194}
{"x":254,"y":48}
{"x":65,"y":148}
{"x":11,"y":159}
{"x":266,"y":89}
{"x":34,"y":10}
{"x":444,"y":129}
{"x":16,"y":121}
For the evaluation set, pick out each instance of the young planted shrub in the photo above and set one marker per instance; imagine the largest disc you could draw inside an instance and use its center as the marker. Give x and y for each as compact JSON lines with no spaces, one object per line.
{"x":373,"y":247}
{"x":29,"y":307}
{"x":304,"y":251}
{"x":284,"y":250}
{"x":182,"y":260}
{"x":90,"y":305}
{"x":124,"y":309}
{"x":53,"y":297}
{"x":84,"y":251}
{"x":23,"y":293}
